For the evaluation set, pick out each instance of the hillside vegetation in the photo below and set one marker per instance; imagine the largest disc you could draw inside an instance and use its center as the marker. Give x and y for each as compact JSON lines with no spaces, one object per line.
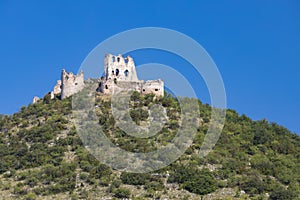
{"x":42,"y":157}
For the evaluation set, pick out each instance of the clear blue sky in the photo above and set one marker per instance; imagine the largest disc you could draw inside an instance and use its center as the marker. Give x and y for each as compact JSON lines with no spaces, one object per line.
{"x":255,"y":45}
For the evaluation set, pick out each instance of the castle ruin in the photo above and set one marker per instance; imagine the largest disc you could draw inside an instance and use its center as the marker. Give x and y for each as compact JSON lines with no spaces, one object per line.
{"x":71,"y":84}
{"x":119,"y":74}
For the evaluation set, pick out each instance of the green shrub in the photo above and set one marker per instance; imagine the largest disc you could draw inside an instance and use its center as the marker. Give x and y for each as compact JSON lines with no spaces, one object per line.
{"x":134,"y":179}
{"x":122,"y":193}
{"x":194,"y":180}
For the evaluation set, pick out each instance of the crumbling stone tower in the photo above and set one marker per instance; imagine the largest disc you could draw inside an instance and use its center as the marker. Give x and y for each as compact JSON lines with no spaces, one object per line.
{"x":120,"y":74}
{"x":119,"y":68}
{"x":71,"y":84}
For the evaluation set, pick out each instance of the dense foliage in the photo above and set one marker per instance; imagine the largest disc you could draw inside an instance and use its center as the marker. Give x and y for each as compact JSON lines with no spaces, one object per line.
{"x":41,"y":155}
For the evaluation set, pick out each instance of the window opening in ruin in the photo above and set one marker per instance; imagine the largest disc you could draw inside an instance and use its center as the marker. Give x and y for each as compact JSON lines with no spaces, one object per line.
{"x":113,"y":59}
{"x":113,"y":72}
{"x":126,"y":72}
{"x":144,"y":90}
{"x":76,"y":83}
{"x":118,"y":59}
{"x":156,"y":90}
{"x":106,"y":87}
{"x":117,"y":72}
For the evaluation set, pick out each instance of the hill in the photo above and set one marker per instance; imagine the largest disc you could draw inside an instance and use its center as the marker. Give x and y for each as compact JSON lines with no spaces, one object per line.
{"x":42,"y":157}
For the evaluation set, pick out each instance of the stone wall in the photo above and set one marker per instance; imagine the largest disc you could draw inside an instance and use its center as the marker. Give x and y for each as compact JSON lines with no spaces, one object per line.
{"x":71,"y":84}
{"x":120,"y":74}
{"x":57,"y":88}
{"x":35,"y":99}
{"x":119,"y":68}
{"x":154,"y":86}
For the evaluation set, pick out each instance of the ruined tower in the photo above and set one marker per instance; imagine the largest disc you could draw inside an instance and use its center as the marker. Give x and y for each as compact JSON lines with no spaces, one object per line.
{"x":71,"y":84}
{"x":120,"y":74}
{"x":119,"y":68}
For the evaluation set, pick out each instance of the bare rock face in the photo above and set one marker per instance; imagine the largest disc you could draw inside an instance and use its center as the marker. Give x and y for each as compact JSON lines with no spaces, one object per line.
{"x":120,"y":74}
{"x":71,"y":84}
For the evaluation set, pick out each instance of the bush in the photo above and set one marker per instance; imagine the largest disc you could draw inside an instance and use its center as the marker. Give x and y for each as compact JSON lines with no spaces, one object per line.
{"x":154,"y":185}
{"x":253,"y":185}
{"x":194,"y":180}
{"x":30,"y":196}
{"x":201,"y":184}
{"x":134,"y":179}
{"x":122,"y":193}
{"x":282,"y":194}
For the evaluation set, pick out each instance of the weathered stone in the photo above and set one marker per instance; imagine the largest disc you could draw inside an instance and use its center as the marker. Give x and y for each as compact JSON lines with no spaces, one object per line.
{"x":123,"y":69}
{"x":71,"y":84}
{"x":57,"y":88}
{"x":52,"y":96}
{"x":120,"y":74}
{"x":35,"y":99}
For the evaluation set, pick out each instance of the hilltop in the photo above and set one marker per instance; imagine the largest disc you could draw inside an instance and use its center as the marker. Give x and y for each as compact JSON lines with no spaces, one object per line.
{"x":42,"y":157}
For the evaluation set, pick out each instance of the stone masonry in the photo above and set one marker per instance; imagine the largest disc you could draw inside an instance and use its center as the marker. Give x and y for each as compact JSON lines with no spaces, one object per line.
{"x":71,"y":84}
{"x":120,"y":74}
{"x":57,"y":88}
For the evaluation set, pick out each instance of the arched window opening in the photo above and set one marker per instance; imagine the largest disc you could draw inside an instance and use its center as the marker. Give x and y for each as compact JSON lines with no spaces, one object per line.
{"x":126,"y":72}
{"x":106,"y":87}
{"x":118,"y":59}
{"x":117,"y":72}
{"x":156,"y":90}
